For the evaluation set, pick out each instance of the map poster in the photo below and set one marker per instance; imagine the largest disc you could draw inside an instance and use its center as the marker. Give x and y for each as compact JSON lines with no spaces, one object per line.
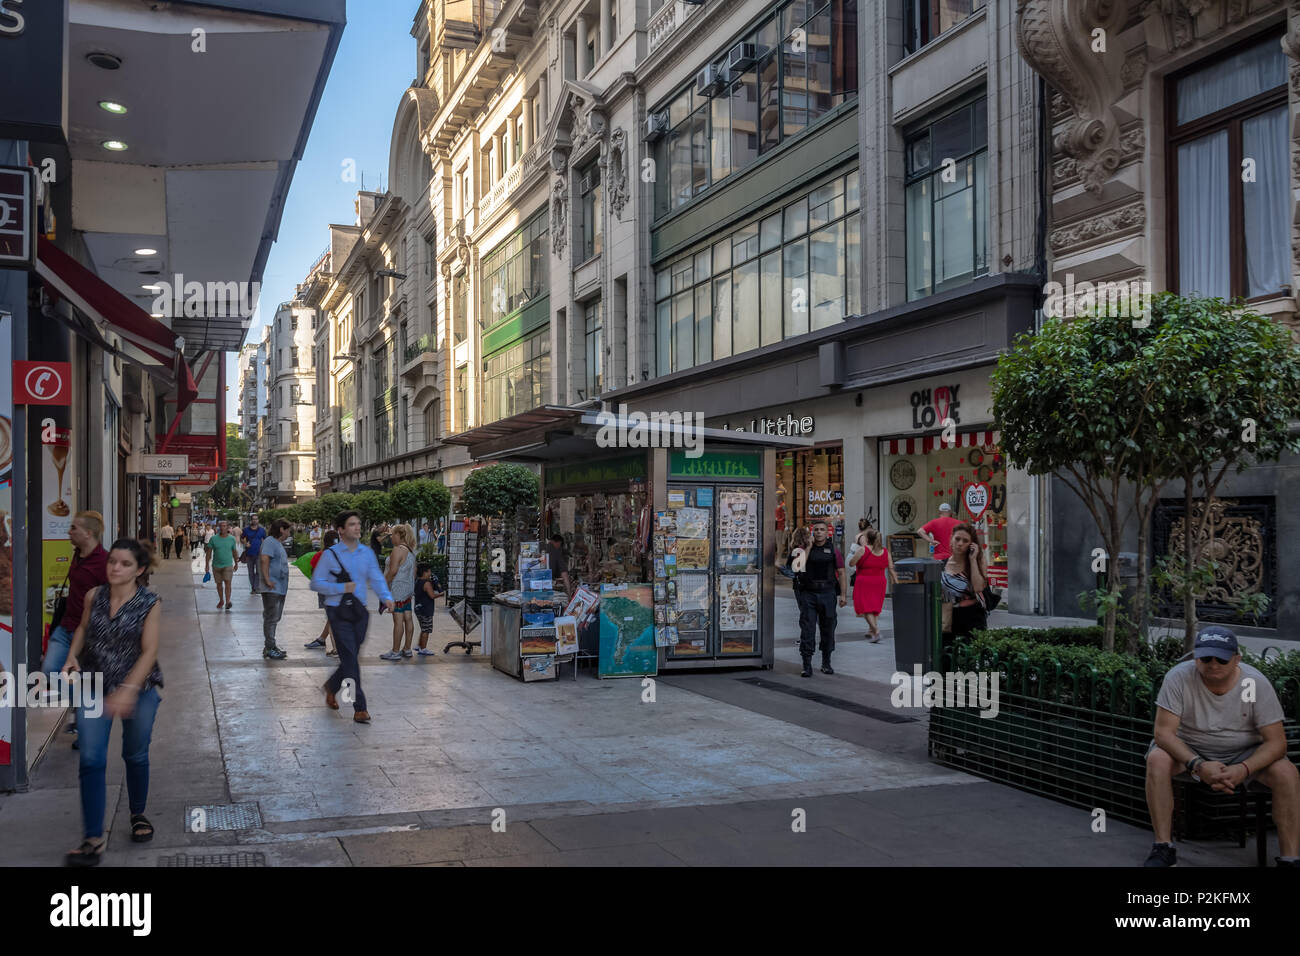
{"x":692,"y":522}
{"x":693,"y":554}
{"x":738,"y":602}
{"x":627,"y":631}
{"x":738,"y":519}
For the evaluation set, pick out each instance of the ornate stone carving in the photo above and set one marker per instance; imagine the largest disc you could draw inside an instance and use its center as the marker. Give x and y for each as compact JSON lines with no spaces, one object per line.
{"x":1134,"y":69}
{"x":1132,"y":144}
{"x":559,"y":215}
{"x":1055,"y":38}
{"x":618,"y":190}
{"x":1130,"y":218}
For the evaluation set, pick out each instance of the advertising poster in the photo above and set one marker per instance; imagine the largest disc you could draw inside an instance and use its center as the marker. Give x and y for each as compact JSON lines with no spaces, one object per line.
{"x":738,"y":519}
{"x":738,"y":602}
{"x":566,"y":635}
{"x":56,"y":559}
{"x":693,"y":554}
{"x":56,"y":518}
{"x":6,"y":526}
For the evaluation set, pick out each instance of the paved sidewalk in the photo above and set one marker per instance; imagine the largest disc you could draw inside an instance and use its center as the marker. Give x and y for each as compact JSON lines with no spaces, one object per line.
{"x":585,"y":772}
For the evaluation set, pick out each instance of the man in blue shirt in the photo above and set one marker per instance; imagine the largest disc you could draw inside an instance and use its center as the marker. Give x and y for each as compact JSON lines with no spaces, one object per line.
{"x":357,"y":564}
{"x":253,"y":537}
{"x":273,"y":569}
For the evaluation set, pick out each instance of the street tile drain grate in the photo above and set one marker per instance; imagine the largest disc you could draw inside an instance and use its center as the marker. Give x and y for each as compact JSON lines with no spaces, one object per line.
{"x":838,"y":702}
{"x":226,"y":816}
{"x":214,"y":859}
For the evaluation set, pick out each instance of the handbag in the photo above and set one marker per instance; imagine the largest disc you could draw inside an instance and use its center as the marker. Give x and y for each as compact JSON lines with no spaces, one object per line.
{"x":349,"y":607}
{"x":991,"y":598}
{"x":61,"y":602}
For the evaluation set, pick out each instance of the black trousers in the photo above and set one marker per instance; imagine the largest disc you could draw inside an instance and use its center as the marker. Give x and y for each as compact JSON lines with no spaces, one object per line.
{"x":816,"y":610}
{"x":968,"y":619}
{"x":348,"y":638}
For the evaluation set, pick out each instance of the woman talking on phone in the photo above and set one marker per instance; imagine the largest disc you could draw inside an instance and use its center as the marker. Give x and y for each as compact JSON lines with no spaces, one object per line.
{"x":963,"y":581}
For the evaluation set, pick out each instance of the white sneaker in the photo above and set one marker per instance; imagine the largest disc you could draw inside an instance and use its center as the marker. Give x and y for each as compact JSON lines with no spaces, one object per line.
{"x":390,"y":656}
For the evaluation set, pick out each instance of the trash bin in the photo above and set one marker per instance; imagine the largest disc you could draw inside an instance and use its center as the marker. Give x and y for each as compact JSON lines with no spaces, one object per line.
{"x":917,"y":615}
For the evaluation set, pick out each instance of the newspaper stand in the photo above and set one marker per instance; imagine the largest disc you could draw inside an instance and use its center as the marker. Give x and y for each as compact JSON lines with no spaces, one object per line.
{"x":462,"y":577}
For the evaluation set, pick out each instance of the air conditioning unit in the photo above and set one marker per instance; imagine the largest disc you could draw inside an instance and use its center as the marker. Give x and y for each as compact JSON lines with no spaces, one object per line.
{"x":742,"y":57}
{"x":710,"y":80}
{"x":656,"y":125}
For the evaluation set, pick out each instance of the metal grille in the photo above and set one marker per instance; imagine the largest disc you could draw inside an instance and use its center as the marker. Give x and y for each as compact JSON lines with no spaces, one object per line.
{"x":214,"y":859}
{"x":228,"y":816}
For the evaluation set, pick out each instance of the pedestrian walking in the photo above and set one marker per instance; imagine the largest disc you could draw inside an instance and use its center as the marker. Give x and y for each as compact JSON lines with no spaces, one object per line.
{"x":938,"y":532}
{"x":167,"y":534}
{"x":219,"y":553}
{"x":428,"y":590}
{"x":343,"y":575}
{"x":314,"y":535}
{"x":117,"y":638}
{"x":273,"y":568}
{"x":252,"y":537}
{"x":178,"y":546}
{"x":962,"y":581}
{"x":400,"y":575}
{"x":874,"y":568}
{"x":330,"y":539}
{"x":87,"y":570}
{"x":815,"y":590}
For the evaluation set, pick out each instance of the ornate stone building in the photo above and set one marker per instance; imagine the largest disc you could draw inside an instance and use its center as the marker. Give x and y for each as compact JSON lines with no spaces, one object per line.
{"x":1175,"y":161}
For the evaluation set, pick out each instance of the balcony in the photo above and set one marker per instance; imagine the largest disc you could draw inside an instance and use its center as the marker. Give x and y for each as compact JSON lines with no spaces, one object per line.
{"x":508,"y":183}
{"x":666,"y":20}
{"x":419,"y":358}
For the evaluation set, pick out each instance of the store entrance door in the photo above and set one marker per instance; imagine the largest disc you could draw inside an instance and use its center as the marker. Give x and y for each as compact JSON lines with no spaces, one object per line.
{"x":708,"y":545}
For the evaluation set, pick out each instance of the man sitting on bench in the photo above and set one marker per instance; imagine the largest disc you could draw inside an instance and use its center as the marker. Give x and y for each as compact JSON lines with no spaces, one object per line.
{"x":1220,"y":720}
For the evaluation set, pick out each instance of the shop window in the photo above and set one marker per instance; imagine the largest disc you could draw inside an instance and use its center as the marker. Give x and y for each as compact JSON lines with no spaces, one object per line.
{"x":516,"y":272}
{"x":589,"y":196}
{"x":460,"y":307}
{"x":594,"y":338}
{"x":517,"y":378}
{"x":462,"y":398}
{"x":810,"y":485}
{"x":947,"y":201}
{"x":1229,"y":236}
{"x":924,"y":20}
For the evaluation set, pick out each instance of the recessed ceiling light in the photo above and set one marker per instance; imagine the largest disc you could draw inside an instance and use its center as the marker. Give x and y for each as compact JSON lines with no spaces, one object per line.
{"x":146,"y":252}
{"x":105,"y":61}
{"x":108,"y":106}
{"x":114,"y":144}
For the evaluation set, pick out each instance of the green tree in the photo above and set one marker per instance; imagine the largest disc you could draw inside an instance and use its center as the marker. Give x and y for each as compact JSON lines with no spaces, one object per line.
{"x":1231,"y":391}
{"x":373,"y":506}
{"x":420,"y":499}
{"x":500,"y":491}
{"x":328,"y":506}
{"x":1081,"y":399}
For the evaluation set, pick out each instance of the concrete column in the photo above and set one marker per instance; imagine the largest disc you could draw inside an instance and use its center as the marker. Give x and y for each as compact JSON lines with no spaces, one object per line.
{"x":580,"y":64}
{"x":529,"y":132}
{"x":542,"y":89}
{"x":606,"y":28}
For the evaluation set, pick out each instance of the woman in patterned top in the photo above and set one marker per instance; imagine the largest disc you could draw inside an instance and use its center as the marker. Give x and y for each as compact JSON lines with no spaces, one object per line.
{"x":963,"y":581}
{"x":118,"y":639}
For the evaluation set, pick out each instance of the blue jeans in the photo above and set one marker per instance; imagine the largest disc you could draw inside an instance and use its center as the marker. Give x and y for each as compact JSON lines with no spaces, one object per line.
{"x":136,"y":733}
{"x":56,"y":654}
{"x":253,"y":578}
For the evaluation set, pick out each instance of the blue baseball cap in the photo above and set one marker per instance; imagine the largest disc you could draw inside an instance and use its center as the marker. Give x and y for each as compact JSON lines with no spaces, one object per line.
{"x":1215,"y":641}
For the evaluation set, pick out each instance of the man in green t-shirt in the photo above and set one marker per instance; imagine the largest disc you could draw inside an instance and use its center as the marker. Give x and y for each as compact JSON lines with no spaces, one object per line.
{"x":219,"y":553}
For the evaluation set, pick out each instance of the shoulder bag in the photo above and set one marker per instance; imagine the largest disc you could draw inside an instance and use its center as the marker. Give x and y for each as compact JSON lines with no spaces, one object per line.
{"x":349,"y":607}
{"x":61,"y":602}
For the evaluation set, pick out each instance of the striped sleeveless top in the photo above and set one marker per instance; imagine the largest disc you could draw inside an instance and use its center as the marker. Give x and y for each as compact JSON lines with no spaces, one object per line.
{"x":113,"y":640}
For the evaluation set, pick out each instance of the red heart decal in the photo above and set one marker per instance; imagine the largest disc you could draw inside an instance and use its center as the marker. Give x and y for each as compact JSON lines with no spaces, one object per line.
{"x":975,"y":496}
{"x":942,"y":401}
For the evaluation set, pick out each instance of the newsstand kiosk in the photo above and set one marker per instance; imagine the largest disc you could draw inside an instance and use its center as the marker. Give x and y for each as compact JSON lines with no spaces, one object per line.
{"x":678,"y":537}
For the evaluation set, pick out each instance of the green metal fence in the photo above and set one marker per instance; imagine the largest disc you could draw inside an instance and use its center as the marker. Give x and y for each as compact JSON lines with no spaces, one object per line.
{"x":1077,"y":737}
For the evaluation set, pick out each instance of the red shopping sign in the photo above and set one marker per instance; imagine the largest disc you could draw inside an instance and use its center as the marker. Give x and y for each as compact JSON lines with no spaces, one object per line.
{"x":42,"y":383}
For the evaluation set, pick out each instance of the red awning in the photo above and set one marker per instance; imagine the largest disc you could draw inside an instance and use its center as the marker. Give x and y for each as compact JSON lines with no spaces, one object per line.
{"x":154,"y":345}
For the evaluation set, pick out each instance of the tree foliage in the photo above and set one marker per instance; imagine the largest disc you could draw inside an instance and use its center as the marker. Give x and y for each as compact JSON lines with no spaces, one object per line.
{"x":373,"y":506}
{"x":420,"y":499}
{"x":500,"y":490}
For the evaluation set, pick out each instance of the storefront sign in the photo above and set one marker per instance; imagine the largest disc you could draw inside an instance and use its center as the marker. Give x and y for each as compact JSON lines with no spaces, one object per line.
{"x":787,"y":426}
{"x":17,"y":217}
{"x":975,"y":496}
{"x":33,"y":59}
{"x":825,"y":503}
{"x":930,"y":408}
{"x":42,"y":383}
{"x":728,"y":465}
{"x":603,"y":471}
{"x":159,"y":466}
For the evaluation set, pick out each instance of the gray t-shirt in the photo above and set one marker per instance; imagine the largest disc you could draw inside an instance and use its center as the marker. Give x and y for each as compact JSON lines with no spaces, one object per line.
{"x":1219,"y":726}
{"x":278,"y":571}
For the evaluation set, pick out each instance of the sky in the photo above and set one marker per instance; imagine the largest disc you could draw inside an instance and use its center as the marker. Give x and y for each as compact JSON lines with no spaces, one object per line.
{"x":373,"y":66}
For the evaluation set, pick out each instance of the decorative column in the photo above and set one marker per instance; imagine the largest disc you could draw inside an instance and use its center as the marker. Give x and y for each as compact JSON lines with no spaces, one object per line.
{"x":606,"y":28}
{"x":580,"y":66}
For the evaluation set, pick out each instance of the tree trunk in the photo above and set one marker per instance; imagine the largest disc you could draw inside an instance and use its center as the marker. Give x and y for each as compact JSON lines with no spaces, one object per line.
{"x":1140,"y":604}
{"x":1189,"y":594}
{"x":1112,"y":580}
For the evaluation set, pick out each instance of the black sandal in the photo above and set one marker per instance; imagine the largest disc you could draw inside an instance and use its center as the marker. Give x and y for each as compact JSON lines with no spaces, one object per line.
{"x":141,"y":829}
{"x":87,"y":854}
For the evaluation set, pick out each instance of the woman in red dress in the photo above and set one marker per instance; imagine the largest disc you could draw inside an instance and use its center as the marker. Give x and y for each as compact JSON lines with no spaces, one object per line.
{"x":869,"y":585}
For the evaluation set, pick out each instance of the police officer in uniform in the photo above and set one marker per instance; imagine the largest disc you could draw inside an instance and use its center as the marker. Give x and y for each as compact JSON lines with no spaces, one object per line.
{"x":815,"y":589}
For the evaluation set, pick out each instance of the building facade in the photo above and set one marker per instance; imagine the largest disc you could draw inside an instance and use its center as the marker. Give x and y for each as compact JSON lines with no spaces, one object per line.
{"x":1174,"y":162}
{"x":291,"y":404}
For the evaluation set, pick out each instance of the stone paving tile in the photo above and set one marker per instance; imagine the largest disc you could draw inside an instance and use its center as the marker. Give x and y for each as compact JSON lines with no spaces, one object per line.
{"x":620,"y":829}
{"x":447,"y":845}
{"x":632,"y":855}
{"x":813,"y":848}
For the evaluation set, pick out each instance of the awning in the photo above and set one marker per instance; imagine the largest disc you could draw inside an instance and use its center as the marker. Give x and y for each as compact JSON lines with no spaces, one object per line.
{"x":923,"y":446}
{"x":151,"y":344}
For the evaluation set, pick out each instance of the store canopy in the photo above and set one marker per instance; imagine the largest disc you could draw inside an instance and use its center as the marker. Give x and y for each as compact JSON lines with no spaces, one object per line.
{"x":559,"y":432}
{"x":145,"y":341}
{"x":923,"y":446}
